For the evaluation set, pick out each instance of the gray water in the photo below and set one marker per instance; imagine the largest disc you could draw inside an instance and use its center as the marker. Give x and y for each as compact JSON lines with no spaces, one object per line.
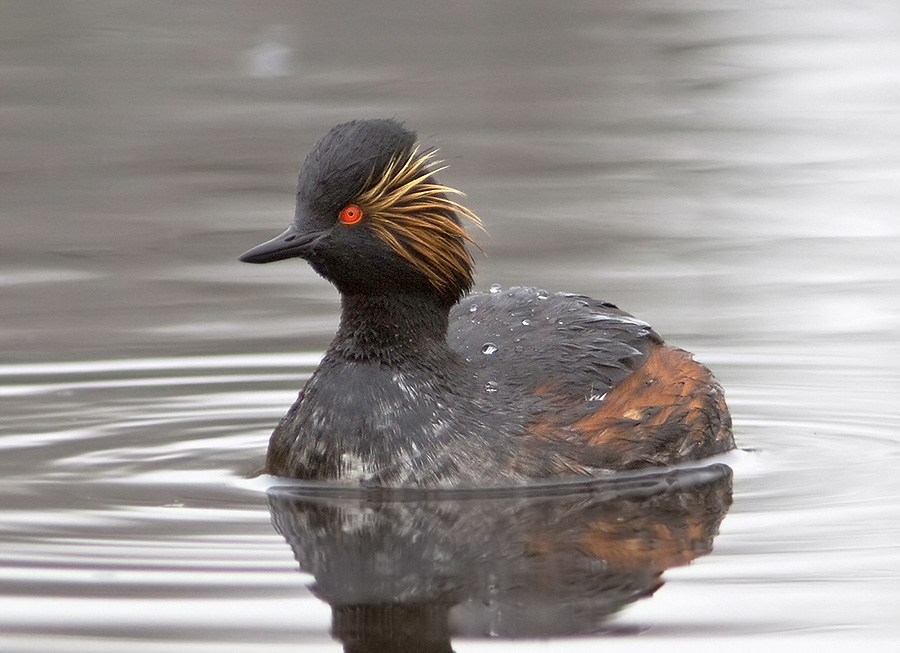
{"x":729,"y":172}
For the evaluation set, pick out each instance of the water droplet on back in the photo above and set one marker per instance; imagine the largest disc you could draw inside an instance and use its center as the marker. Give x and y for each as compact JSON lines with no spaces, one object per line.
{"x":495,"y":288}
{"x":488,"y":348}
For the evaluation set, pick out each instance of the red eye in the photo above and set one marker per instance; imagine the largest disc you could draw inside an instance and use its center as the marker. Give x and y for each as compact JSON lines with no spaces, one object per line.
{"x":350,"y":214}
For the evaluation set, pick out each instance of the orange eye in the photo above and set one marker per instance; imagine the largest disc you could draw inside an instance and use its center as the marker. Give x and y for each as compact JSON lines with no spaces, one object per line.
{"x":350,"y":214}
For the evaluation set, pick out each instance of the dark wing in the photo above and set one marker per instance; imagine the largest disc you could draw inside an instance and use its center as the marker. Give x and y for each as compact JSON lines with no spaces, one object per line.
{"x":527,"y":339}
{"x":597,"y":388}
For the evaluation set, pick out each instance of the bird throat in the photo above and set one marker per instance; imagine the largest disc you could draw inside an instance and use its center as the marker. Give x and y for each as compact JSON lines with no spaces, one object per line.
{"x":392,"y":329}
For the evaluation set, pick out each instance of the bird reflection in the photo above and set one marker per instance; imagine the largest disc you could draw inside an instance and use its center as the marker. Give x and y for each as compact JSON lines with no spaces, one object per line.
{"x":403,"y":570}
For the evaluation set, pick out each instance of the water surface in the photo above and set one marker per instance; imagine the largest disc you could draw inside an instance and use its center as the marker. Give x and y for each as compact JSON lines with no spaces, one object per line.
{"x":728,"y":173}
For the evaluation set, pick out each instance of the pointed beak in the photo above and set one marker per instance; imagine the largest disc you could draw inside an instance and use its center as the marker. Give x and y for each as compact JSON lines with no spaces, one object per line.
{"x":289,"y":244}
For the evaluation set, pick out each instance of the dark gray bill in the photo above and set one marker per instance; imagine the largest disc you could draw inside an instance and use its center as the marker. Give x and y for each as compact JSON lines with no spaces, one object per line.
{"x":289,"y":244}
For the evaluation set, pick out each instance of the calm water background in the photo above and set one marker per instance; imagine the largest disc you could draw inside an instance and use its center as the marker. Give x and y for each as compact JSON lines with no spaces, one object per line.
{"x":729,"y":172}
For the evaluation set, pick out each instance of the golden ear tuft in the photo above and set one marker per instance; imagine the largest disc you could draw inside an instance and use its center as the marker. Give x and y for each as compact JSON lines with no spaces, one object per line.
{"x":414,"y":216}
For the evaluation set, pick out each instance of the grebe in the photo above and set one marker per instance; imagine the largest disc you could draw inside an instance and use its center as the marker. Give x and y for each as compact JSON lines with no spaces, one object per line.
{"x":426,"y":384}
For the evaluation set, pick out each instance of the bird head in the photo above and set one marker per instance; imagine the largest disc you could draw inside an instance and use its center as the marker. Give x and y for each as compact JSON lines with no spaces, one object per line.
{"x":372,"y":219}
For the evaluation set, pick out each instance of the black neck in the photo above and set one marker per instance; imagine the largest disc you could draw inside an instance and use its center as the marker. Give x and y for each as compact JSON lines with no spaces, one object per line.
{"x":392,"y":328}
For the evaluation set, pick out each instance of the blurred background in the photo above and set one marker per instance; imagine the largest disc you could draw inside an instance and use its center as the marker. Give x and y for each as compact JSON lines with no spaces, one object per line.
{"x":723,"y":151}
{"x":728,"y":171}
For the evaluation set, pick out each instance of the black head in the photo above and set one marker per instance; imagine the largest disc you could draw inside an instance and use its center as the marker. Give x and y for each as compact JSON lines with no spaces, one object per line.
{"x":371,"y":218}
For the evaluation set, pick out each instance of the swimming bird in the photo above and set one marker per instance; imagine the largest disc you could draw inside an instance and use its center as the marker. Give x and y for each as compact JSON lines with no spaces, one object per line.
{"x":428,"y":384}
